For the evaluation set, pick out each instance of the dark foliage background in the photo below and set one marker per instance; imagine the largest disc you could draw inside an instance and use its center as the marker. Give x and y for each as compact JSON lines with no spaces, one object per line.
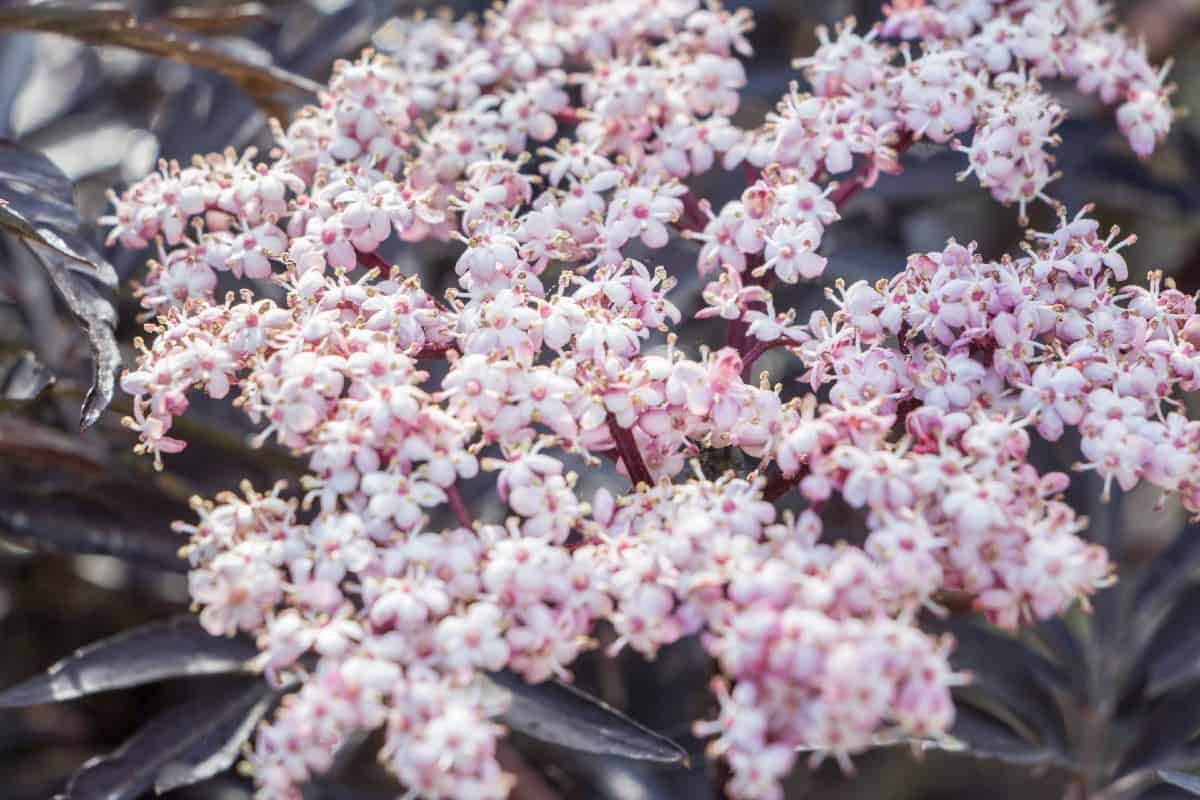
{"x":1119,"y":694}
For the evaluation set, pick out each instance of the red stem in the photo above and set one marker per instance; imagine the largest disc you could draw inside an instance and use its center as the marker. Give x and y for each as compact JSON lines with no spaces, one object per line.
{"x":437,"y":351}
{"x":568,"y":116}
{"x":851,"y":186}
{"x":777,"y":485}
{"x":375,"y":260}
{"x":630,"y":455}
{"x":460,"y":508}
{"x":735,"y":332}
{"x":694,"y":218}
{"x":756,"y":352}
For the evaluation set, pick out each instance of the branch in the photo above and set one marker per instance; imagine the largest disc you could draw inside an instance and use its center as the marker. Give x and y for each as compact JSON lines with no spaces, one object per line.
{"x":630,"y":455}
{"x":735,"y":332}
{"x":460,"y":508}
{"x":777,"y":485}
{"x":866,"y":174}
{"x":755,"y":352}
{"x":694,"y":217}
{"x":568,"y":116}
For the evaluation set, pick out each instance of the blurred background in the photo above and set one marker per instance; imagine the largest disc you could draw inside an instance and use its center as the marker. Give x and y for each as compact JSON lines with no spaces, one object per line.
{"x":104,"y":115}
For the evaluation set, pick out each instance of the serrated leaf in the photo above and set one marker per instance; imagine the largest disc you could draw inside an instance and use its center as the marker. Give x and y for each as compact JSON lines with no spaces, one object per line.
{"x":176,"y":648}
{"x":39,"y":198}
{"x":560,"y":714}
{"x":113,"y":25}
{"x":186,"y":744}
{"x":1183,"y":780}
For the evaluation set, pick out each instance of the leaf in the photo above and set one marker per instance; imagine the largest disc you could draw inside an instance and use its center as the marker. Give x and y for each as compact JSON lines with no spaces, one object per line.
{"x":24,"y":378}
{"x":186,"y":744}
{"x":99,"y":319}
{"x":111,"y":24}
{"x":52,"y":524}
{"x":13,"y":221}
{"x":39,"y":196}
{"x":1171,"y":573}
{"x":16,"y":65}
{"x":985,"y":736}
{"x":39,"y":206}
{"x":560,"y":714}
{"x":1165,"y":729}
{"x":215,"y":751}
{"x":1172,"y":658}
{"x":176,"y":648}
{"x":1010,"y":674}
{"x":1184,"y":780}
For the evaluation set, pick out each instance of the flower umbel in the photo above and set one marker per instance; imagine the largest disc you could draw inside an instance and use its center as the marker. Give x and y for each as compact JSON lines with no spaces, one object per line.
{"x":386,"y":594}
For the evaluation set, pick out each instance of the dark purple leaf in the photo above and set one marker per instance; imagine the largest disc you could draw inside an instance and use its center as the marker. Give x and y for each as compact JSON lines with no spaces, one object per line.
{"x":1164,"y":730}
{"x":1184,"y":780}
{"x":99,"y":319}
{"x":186,"y":744}
{"x":53,"y":526}
{"x":986,"y":736}
{"x":13,"y":221}
{"x":560,"y":714}
{"x":1057,"y":636}
{"x":1170,"y":574}
{"x":16,"y":65}
{"x":40,"y":210}
{"x":215,"y":751}
{"x":24,"y":378}
{"x":1172,"y":658}
{"x":1009,"y":673}
{"x":176,"y":648}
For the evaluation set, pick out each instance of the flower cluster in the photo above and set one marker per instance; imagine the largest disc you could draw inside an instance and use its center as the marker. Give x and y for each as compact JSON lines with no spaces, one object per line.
{"x":387,"y":596}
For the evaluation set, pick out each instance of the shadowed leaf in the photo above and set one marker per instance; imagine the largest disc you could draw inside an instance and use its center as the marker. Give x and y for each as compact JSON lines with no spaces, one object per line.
{"x":184,"y":745}
{"x":176,"y":648}
{"x":560,"y":714}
